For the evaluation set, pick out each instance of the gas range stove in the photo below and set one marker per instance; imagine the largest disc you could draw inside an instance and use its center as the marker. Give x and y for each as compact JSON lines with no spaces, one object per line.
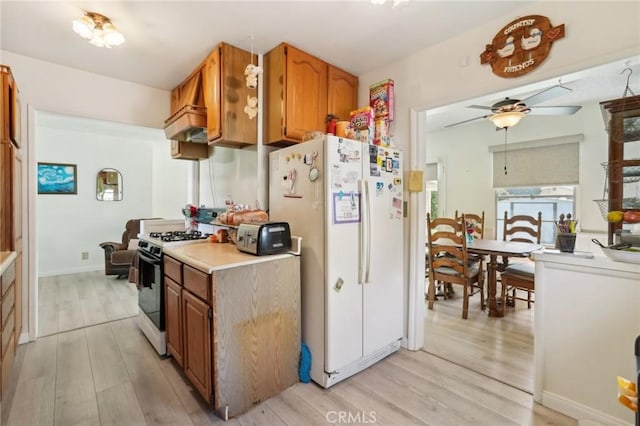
{"x":154,"y":242}
{"x":174,"y":236}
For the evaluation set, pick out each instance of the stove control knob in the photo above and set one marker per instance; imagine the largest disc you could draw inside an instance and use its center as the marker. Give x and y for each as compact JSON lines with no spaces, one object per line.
{"x":156,"y":250}
{"x":142,"y":244}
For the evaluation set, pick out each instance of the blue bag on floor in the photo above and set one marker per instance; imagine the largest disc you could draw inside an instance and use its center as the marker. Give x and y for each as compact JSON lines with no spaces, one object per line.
{"x":305,"y":364}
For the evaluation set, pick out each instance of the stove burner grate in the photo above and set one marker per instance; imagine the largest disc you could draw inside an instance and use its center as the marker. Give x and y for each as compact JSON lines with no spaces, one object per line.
{"x":179,"y":235}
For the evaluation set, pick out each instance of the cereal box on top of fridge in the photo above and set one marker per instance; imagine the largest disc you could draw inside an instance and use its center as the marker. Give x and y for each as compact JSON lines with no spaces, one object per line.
{"x":362,"y":124}
{"x":381,"y":99}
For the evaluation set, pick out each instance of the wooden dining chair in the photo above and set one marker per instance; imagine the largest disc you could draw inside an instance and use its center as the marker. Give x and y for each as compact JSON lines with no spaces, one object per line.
{"x":477,"y":220}
{"x":477,"y":225}
{"x":449,"y":261}
{"x":520,"y":275}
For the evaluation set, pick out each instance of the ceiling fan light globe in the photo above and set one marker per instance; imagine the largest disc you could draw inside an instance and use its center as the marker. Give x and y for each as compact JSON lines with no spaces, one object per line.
{"x":97,"y":40}
{"x":111,"y":35}
{"x":506,"y":119}
{"x":84,"y":27}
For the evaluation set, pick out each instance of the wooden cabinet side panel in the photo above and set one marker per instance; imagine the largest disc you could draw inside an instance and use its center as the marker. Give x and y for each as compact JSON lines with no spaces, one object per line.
{"x":257,"y":332}
{"x":212,"y":94}
{"x":173,"y":318}
{"x":306,"y":94}
{"x":196,"y":332}
{"x":274,"y":82}
{"x":342,"y":93}
{"x":237,"y":127}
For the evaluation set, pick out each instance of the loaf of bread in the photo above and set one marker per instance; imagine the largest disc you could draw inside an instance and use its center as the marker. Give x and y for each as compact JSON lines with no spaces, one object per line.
{"x":236,"y":218}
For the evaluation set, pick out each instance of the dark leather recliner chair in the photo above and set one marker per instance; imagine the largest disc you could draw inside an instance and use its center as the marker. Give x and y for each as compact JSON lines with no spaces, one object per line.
{"x":117,"y":256}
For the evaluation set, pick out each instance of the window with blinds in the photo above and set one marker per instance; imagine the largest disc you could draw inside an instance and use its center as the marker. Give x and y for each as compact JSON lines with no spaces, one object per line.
{"x":537,"y":163}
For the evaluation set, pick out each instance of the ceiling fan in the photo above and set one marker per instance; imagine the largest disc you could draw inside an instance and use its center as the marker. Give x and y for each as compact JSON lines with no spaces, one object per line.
{"x":508,"y":112}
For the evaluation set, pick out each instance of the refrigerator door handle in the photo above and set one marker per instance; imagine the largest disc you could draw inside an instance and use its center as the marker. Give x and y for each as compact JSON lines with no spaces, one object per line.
{"x":361,"y":250}
{"x":368,"y":225}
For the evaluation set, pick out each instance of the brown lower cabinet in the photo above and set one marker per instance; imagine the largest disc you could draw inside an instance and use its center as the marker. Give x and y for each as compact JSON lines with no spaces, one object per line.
{"x":197,"y":343}
{"x":173,"y":315}
{"x":235,"y":332}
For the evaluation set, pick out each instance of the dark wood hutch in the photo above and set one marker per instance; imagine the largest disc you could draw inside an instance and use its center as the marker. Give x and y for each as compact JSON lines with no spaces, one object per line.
{"x":622,"y":118}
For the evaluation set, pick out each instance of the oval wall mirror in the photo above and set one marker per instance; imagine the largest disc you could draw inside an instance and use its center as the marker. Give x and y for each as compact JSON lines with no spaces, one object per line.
{"x":109,"y":185}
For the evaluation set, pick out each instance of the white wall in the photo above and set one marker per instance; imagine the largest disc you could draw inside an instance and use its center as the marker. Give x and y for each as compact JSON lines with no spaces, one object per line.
{"x":229,"y":172}
{"x":68,"y":225}
{"x":169,"y":180}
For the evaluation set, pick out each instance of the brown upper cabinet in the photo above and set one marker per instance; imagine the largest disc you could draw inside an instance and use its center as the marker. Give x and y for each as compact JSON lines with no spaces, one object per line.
{"x":209,"y":105}
{"x":343,"y":93}
{"x":300,"y":91}
{"x":226,"y":94}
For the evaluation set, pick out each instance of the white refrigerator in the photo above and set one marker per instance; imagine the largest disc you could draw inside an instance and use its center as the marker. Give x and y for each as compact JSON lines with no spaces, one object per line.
{"x":344,"y":198}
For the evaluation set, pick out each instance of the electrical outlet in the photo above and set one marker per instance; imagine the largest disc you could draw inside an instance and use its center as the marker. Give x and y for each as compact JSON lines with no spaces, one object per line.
{"x":85,"y":255}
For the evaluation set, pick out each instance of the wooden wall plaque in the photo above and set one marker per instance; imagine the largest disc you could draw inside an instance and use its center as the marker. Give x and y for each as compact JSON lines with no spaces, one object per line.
{"x":521,"y":46}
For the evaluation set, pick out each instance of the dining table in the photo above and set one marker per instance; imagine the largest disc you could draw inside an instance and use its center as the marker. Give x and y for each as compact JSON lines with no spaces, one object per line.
{"x":504,"y":249}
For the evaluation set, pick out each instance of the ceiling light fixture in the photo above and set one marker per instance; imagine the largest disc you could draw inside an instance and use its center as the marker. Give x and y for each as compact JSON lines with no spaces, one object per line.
{"x":98,"y":29}
{"x":506,"y":119}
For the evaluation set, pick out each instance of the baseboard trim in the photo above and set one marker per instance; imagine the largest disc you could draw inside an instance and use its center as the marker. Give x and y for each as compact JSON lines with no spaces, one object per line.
{"x":579,"y":411}
{"x":77,"y":270}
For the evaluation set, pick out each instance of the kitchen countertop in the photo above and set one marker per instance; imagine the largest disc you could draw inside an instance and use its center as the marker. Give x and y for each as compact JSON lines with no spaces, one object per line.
{"x":6,"y":257}
{"x":586,"y":259}
{"x":211,"y":257}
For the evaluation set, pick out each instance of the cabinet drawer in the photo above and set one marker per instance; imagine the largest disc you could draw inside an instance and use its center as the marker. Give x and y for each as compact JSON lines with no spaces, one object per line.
{"x":7,"y":304}
{"x":197,"y":282}
{"x":173,"y":269}
{"x":7,"y":331}
{"x":8,"y":276}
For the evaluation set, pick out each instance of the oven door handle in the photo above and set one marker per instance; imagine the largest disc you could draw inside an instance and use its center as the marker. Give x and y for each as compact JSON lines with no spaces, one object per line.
{"x":148,"y":259}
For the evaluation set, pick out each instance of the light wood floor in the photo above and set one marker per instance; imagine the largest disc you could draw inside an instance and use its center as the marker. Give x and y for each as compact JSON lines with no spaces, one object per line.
{"x":68,"y":302}
{"x":501,"y":348}
{"x":110,"y":375}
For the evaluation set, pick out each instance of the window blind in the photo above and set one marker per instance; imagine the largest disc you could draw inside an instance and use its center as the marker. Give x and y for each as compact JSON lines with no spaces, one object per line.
{"x":431,"y":171}
{"x":537,"y":163}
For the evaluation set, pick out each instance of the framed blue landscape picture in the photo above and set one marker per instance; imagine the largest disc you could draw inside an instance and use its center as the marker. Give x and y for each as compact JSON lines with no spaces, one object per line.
{"x":55,"y":178}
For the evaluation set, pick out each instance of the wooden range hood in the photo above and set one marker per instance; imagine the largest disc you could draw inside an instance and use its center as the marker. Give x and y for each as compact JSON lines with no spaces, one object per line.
{"x":189,"y":122}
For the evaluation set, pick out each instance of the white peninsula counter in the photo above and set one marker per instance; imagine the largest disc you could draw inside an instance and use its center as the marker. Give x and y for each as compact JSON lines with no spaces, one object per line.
{"x":587,"y":317}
